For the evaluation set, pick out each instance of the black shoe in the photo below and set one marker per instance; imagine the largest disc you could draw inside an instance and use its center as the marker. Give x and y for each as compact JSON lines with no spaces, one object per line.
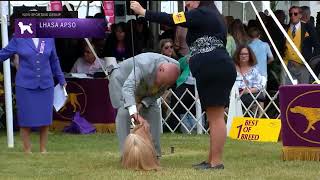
{"x":203,"y":163}
{"x":208,"y":166}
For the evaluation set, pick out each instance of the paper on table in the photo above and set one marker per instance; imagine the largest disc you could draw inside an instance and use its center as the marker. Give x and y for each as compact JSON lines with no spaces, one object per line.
{"x":60,"y":97}
{"x":79,"y":75}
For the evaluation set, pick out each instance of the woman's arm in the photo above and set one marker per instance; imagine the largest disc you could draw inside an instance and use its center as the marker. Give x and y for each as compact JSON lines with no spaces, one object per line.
{"x":9,"y":50}
{"x":185,"y":19}
{"x":258,"y":81}
{"x":252,"y":90}
{"x":55,"y":66}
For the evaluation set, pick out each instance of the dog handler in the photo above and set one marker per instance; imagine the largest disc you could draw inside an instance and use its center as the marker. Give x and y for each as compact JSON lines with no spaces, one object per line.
{"x":134,"y":86}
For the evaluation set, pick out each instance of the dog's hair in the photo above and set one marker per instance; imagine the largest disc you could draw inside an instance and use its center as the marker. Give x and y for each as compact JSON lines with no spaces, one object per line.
{"x":139,"y":152}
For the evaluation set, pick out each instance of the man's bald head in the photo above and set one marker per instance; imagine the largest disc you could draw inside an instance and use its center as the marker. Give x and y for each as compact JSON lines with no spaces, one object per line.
{"x":167,"y":74}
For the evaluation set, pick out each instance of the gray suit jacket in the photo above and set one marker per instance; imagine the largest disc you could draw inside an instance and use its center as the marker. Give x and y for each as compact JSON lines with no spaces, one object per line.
{"x":126,"y":89}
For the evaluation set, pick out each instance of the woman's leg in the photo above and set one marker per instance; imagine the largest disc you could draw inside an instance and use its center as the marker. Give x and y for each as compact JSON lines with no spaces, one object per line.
{"x":25,"y":136}
{"x":44,"y":130}
{"x":210,"y":150}
{"x":215,"y":116}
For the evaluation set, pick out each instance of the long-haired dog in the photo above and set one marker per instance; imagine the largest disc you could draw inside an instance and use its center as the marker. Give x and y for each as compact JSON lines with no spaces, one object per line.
{"x":139,"y":152}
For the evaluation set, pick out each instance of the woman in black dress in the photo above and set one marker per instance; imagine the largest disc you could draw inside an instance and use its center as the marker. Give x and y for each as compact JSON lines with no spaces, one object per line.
{"x":210,"y":64}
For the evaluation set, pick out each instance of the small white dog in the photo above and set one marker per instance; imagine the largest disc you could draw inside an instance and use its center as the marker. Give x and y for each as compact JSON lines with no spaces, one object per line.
{"x":23,"y":28}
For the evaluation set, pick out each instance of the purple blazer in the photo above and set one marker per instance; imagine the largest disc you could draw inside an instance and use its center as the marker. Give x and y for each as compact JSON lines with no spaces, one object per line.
{"x":36,"y":69}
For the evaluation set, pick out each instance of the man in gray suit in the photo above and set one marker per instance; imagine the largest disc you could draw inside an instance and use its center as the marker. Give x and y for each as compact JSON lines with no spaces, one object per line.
{"x":134,"y":86}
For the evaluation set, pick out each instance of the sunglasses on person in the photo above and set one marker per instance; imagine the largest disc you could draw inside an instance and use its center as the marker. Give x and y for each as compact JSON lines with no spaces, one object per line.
{"x":295,"y":14}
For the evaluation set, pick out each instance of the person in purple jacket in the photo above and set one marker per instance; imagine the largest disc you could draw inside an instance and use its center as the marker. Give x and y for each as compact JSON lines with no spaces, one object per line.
{"x":38,"y":65}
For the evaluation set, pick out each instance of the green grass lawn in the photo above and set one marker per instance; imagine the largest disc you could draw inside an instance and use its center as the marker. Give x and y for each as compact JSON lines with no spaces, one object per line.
{"x":96,"y":157}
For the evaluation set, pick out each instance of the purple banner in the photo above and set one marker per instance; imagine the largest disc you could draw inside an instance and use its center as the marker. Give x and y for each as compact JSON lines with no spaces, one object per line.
{"x":90,"y":97}
{"x":300,"y":115}
{"x":59,"y":28}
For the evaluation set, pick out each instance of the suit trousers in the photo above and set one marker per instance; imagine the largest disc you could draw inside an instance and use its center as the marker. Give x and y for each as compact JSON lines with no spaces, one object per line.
{"x":298,"y":72}
{"x":151,"y":114}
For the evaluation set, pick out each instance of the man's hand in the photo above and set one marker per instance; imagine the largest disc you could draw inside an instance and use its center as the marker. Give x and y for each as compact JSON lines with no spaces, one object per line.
{"x":139,"y":107}
{"x":137,"y":8}
{"x":141,"y":120}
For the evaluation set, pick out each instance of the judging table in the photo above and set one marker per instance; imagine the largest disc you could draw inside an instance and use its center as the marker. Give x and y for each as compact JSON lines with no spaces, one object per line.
{"x":90,"y":97}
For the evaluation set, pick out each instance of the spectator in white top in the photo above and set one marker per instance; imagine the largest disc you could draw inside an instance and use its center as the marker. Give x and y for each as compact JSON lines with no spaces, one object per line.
{"x":248,"y":79}
{"x":87,"y":64}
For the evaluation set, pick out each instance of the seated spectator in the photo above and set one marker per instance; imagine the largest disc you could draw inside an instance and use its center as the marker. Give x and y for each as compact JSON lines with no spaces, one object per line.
{"x":305,"y":14}
{"x":118,"y":43}
{"x":87,"y":64}
{"x":166,"y":48}
{"x":252,"y":23}
{"x":143,"y":38}
{"x":231,"y":43}
{"x":237,"y":30}
{"x":248,"y":77}
{"x":261,"y":50}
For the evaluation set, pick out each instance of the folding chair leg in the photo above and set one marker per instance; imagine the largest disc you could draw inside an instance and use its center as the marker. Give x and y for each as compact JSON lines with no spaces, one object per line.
{"x":261,"y":111}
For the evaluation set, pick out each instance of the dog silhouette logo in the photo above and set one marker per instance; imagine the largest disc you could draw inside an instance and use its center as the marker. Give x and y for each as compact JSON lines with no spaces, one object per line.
{"x":73,"y":101}
{"x":24,"y":28}
{"x":312,"y":115}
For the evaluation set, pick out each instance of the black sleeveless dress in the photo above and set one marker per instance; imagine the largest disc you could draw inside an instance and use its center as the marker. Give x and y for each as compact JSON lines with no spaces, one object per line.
{"x":210,"y":62}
